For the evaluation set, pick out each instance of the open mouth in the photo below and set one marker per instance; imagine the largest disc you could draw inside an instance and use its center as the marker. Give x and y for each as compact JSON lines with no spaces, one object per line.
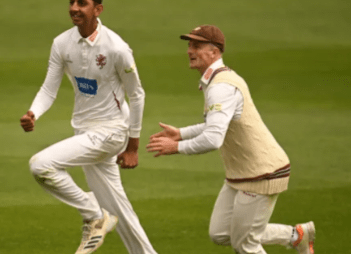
{"x":75,"y":16}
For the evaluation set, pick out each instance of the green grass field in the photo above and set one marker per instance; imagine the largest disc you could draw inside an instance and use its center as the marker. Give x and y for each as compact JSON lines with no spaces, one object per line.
{"x":296,"y":58}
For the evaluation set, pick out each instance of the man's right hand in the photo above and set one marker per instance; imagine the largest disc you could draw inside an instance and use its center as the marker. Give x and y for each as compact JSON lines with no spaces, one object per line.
{"x":27,"y":121}
{"x":168,"y":131}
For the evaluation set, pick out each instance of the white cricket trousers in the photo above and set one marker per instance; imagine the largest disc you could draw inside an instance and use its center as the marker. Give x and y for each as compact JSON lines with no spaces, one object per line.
{"x":240,"y":219}
{"x":96,"y":151}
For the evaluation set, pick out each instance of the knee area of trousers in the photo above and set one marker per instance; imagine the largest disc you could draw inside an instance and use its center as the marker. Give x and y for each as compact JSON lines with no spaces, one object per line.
{"x":38,"y":165}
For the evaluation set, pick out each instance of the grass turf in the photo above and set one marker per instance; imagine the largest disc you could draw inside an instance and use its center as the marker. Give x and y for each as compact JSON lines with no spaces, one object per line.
{"x":295,"y":56}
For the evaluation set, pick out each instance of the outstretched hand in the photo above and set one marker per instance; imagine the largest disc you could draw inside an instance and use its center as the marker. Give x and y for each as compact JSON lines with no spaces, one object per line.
{"x":168,"y":131}
{"x":28,"y":121}
{"x":164,"y":142}
{"x":162,"y":145}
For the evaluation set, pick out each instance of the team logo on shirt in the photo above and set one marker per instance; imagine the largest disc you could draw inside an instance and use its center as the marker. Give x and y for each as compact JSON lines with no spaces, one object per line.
{"x":214,"y":107}
{"x":101,"y":61}
{"x":87,"y":87}
{"x":131,"y":69}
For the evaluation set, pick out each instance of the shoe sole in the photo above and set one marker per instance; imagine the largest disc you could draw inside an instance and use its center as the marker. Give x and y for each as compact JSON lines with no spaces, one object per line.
{"x":311,"y":231}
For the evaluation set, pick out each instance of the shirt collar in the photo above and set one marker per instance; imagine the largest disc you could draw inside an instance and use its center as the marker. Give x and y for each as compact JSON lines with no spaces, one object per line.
{"x":208,"y":73}
{"x":92,"y":39}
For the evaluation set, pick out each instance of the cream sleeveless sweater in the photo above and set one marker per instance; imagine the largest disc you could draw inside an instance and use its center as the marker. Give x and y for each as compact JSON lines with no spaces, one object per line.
{"x":253,"y":159}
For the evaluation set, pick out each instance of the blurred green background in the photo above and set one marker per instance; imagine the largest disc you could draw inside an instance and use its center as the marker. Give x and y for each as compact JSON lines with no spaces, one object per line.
{"x":296,"y":58}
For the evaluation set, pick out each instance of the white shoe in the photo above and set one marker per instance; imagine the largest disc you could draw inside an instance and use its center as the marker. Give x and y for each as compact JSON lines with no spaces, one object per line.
{"x":304,"y":243}
{"x":95,"y":231}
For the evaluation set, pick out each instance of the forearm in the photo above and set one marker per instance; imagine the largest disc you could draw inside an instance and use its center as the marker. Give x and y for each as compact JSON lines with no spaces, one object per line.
{"x":136,"y":104}
{"x":41,"y":103}
{"x":48,"y":91}
{"x":133,"y":145}
{"x":211,"y":139}
{"x":128,"y":73}
{"x":192,"y":131}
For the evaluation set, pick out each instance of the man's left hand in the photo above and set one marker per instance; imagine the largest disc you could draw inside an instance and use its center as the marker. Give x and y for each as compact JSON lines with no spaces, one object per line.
{"x":162,"y":145}
{"x":129,"y":158}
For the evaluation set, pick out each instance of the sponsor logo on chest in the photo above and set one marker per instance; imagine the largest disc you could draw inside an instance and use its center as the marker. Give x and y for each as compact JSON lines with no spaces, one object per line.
{"x":87,"y":87}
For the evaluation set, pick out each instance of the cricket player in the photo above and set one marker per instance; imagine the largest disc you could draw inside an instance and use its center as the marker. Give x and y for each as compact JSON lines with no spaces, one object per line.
{"x":101,"y":68}
{"x":257,"y":168}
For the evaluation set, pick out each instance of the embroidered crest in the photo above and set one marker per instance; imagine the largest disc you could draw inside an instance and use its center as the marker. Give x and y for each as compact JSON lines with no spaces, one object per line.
{"x":101,"y":61}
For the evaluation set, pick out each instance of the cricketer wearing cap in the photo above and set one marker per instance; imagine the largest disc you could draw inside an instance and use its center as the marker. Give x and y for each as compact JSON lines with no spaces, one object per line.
{"x":257,"y":168}
{"x":101,"y":68}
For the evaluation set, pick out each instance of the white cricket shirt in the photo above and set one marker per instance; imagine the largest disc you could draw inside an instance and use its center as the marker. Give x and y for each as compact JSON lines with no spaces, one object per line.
{"x":225,"y":103}
{"x":102,"y":71}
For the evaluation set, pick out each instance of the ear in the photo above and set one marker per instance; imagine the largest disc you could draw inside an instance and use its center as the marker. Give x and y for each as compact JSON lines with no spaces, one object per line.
{"x":215,"y":52}
{"x":98,"y":9}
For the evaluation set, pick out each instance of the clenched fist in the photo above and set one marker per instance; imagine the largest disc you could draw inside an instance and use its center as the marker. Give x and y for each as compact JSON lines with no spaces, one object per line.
{"x":27,"y":121}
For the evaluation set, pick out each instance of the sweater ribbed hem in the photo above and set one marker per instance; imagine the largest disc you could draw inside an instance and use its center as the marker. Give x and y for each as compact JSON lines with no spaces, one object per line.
{"x":264,"y":187}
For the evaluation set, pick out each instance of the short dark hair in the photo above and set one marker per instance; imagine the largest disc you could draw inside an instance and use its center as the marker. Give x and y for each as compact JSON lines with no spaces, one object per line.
{"x":98,"y":1}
